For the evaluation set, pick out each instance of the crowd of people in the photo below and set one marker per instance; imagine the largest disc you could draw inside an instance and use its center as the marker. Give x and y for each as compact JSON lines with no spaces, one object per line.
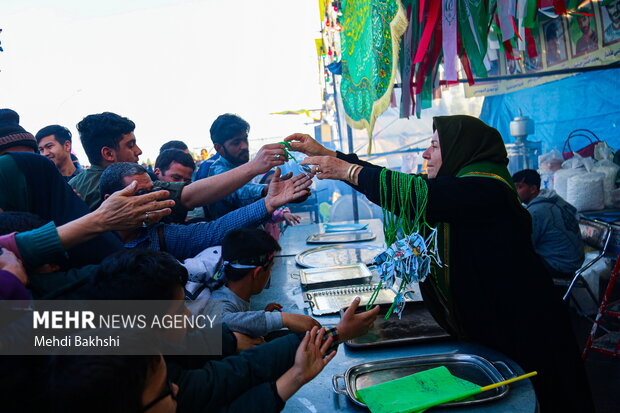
{"x":116,"y":231}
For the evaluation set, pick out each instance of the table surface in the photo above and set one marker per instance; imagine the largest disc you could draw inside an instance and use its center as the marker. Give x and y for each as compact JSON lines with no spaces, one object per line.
{"x":293,"y":240}
{"x":318,"y":395}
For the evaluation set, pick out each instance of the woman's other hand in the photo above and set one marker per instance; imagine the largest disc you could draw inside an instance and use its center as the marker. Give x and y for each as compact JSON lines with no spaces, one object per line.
{"x":303,"y":143}
{"x":328,"y":167}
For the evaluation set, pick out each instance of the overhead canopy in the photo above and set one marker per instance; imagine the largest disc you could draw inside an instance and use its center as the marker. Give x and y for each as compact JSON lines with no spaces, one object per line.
{"x":584,"y":101}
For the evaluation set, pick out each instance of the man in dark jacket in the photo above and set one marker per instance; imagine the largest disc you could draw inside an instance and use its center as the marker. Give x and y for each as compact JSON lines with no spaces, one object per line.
{"x":555,"y":226}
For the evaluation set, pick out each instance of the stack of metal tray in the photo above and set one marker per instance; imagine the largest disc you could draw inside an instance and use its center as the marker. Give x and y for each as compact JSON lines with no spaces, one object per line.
{"x":343,"y":275}
{"x":469,"y":367}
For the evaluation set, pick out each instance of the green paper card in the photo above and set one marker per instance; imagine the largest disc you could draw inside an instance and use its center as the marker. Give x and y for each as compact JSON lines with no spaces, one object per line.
{"x":417,"y":392}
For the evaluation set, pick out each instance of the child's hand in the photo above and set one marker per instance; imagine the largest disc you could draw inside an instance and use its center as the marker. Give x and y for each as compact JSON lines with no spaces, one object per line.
{"x":299,"y":323}
{"x":310,"y":357}
{"x":291,"y":218}
{"x":273,"y":307}
{"x":309,"y":361}
{"x":353,"y":325}
{"x":246,"y":342}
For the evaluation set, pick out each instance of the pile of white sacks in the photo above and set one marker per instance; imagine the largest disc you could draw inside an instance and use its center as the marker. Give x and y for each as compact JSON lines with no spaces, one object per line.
{"x":586,"y":183}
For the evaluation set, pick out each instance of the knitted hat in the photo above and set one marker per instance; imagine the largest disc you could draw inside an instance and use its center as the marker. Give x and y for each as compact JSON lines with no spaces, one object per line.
{"x":11,"y":134}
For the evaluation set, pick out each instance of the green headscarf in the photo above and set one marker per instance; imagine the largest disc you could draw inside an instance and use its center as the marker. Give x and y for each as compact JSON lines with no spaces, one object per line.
{"x":470,"y":147}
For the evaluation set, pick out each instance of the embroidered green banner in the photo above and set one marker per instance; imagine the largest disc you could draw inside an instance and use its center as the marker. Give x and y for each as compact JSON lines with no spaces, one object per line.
{"x":370,"y":46}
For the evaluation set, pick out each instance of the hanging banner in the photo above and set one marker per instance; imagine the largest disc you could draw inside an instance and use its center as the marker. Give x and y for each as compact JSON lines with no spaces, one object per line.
{"x":318,"y":43}
{"x":576,"y":40}
{"x":370,"y":47}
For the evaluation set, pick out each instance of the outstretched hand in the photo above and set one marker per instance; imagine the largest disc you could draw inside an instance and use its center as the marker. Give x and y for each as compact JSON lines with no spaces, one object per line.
{"x":123,"y":210}
{"x":292,"y":219}
{"x":282,"y":192}
{"x":303,"y":143}
{"x":268,"y":156}
{"x":328,"y":167}
{"x":309,"y":361}
{"x":310,"y":357}
{"x":353,"y":325}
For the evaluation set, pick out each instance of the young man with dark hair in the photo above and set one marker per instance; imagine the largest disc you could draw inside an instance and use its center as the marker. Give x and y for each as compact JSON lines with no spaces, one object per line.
{"x":174,"y":165}
{"x":248,"y":256}
{"x":229,"y":134}
{"x":180,"y":145}
{"x":555,"y":225}
{"x":109,"y":138}
{"x":55,"y":143}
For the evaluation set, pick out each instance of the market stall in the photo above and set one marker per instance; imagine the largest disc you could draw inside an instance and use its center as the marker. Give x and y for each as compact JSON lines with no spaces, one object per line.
{"x":328,"y":392}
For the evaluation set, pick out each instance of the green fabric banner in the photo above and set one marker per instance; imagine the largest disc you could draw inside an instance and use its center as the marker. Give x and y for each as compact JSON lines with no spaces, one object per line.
{"x":370,"y":47}
{"x":473,"y":27}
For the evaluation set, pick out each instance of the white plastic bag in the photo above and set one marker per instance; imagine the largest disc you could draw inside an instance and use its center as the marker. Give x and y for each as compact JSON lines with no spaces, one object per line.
{"x":561,"y":177}
{"x":550,"y":161}
{"x":602,"y":152}
{"x":610,"y":170}
{"x":585,"y":191}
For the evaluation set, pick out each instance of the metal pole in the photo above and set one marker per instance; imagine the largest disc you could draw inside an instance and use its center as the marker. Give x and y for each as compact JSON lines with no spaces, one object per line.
{"x":337,"y":111}
{"x":356,"y":214}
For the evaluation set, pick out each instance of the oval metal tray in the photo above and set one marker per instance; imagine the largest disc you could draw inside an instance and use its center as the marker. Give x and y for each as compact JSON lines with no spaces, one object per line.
{"x":469,"y":367}
{"x":335,"y":255}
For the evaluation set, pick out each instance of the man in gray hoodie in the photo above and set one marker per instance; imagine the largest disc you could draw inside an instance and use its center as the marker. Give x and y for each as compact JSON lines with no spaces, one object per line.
{"x":555,"y":225}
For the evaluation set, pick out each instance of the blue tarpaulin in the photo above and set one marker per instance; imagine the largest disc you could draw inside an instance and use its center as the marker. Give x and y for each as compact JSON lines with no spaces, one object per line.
{"x":583,"y":101}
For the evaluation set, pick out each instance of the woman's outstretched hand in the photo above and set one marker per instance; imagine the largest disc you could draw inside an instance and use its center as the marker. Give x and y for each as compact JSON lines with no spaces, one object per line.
{"x":328,"y":167}
{"x":303,"y":143}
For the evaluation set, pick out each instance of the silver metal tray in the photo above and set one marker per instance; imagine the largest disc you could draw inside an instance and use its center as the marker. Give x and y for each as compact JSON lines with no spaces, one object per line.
{"x":313,"y":278}
{"x":416,"y":325}
{"x":344,"y":227}
{"x":340,"y":237}
{"x":335,"y":255}
{"x":331,"y":300}
{"x":469,"y":367}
